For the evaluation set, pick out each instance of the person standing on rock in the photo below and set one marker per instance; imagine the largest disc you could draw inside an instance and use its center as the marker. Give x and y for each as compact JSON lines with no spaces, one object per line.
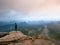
{"x":15,"y":26}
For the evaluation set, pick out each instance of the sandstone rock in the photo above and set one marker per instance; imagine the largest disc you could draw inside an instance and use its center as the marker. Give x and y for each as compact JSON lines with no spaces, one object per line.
{"x":14,"y":35}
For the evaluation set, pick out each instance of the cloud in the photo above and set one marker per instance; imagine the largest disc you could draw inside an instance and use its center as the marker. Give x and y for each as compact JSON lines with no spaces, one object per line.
{"x":29,"y":9}
{"x":11,"y":15}
{"x":27,"y":5}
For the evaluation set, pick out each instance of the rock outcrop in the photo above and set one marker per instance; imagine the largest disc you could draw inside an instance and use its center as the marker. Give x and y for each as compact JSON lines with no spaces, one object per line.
{"x":18,"y":38}
{"x":2,"y":34}
{"x":12,"y":37}
{"x":43,"y":42}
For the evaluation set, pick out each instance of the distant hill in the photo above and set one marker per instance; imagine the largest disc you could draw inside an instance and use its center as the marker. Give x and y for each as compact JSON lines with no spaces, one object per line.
{"x":8,"y":26}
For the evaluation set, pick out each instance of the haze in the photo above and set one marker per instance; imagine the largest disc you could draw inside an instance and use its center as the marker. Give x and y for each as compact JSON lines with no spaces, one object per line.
{"x":29,"y":10}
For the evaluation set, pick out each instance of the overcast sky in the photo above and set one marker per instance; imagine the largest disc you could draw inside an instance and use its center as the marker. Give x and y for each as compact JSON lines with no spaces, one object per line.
{"x":29,"y":10}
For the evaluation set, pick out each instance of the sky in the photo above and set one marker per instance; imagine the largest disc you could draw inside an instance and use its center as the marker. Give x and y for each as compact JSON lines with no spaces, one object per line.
{"x":29,"y":10}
